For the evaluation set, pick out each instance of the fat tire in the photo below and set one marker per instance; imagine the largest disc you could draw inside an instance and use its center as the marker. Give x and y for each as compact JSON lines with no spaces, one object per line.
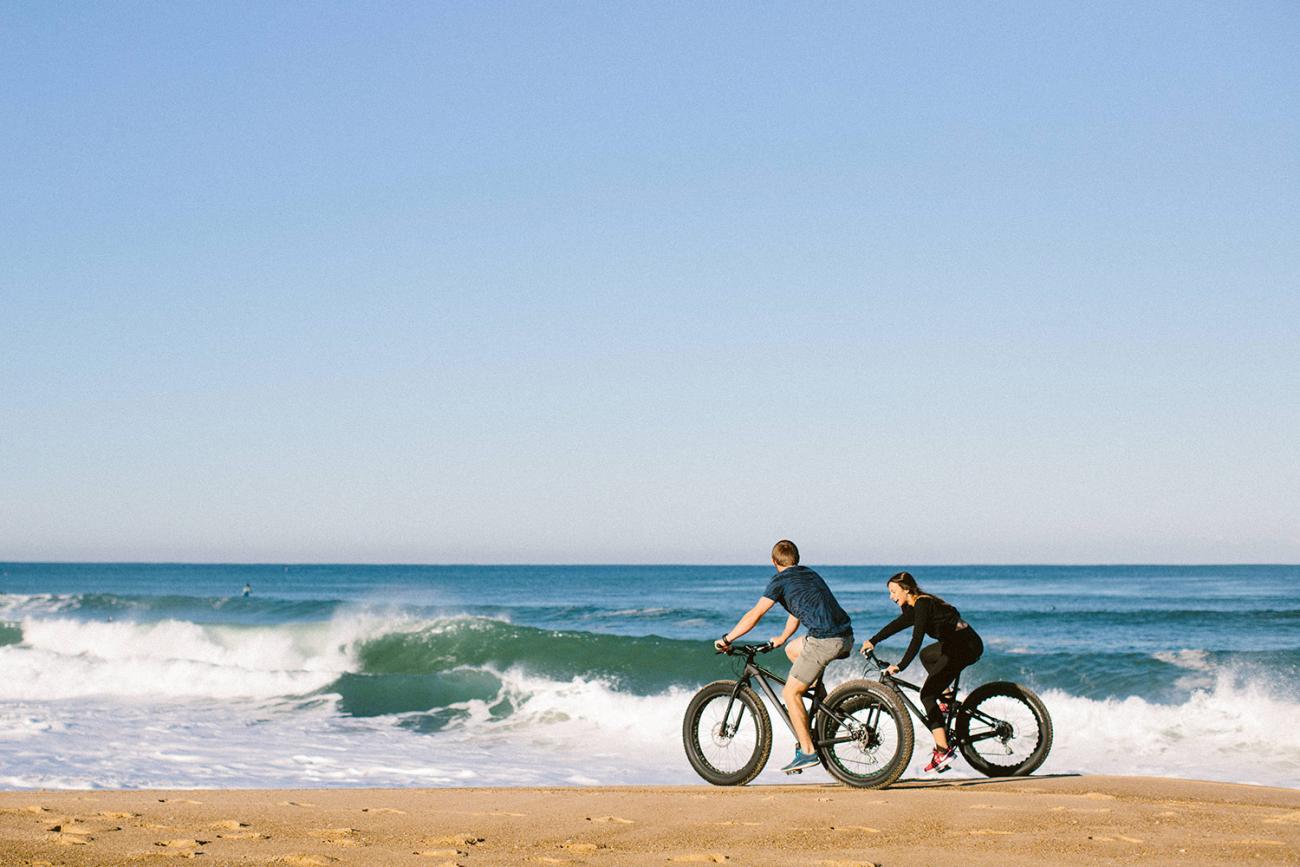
{"x":691,"y":734}
{"x":849,"y":698}
{"x":1004,"y":689}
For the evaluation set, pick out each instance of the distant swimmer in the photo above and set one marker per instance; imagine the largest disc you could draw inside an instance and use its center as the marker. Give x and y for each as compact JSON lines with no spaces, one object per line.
{"x":248,"y":588}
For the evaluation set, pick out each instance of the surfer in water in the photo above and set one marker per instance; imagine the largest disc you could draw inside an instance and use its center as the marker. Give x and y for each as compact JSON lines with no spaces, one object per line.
{"x":958,"y":646}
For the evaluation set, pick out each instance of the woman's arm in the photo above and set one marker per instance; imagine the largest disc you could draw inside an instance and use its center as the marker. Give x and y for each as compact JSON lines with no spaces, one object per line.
{"x":893,"y":627}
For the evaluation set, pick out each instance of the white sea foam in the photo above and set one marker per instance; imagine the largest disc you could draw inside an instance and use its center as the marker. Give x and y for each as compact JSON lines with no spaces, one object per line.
{"x":16,"y":606}
{"x":581,"y":729}
{"x":89,"y":704}
{"x":60,"y":658}
{"x":1195,"y":660}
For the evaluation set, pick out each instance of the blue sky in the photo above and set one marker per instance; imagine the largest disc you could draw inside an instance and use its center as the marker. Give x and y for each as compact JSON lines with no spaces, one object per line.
{"x":657,"y":282}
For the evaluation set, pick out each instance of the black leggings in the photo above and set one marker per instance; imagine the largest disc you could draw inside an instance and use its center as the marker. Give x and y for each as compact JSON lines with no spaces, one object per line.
{"x":944,"y":660}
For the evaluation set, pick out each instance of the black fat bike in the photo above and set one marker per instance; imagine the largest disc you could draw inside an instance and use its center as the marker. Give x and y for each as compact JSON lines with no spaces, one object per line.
{"x":1001,"y":729}
{"x":861,"y":730}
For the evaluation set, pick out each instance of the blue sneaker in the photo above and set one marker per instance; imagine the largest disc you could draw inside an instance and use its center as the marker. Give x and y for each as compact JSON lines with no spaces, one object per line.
{"x":801,"y":760}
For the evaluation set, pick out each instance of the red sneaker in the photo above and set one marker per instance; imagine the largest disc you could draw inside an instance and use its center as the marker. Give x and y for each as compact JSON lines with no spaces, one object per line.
{"x":941,"y":759}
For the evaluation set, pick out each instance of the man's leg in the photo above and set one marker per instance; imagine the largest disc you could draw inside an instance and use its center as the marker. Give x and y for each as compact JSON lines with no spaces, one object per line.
{"x":793,"y":695}
{"x":793,"y":648}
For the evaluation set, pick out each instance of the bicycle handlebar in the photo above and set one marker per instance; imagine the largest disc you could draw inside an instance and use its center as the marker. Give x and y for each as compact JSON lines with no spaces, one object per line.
{"x":747,"y":649}
{"x":879,"y":663}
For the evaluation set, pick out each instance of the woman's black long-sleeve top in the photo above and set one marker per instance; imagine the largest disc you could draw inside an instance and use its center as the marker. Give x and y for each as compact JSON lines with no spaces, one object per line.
{"x":929,"y":616}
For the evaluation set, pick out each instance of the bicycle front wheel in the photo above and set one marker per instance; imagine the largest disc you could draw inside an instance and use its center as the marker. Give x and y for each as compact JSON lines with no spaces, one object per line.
{"x":1003,"y":730}
{"x":727,"y":740}
{"x":864,"y":734}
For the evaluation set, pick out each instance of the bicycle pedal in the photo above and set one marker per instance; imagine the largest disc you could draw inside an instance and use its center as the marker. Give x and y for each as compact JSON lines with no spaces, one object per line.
{"x":795,"y":771}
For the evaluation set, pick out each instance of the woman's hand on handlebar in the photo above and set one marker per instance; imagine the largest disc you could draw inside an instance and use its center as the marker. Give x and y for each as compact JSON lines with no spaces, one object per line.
{"x":722,"y":645}
{"x":867,"y":647}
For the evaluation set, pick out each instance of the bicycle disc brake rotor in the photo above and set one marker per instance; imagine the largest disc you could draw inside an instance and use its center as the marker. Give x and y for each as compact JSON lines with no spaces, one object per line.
{"x":722,"y":734}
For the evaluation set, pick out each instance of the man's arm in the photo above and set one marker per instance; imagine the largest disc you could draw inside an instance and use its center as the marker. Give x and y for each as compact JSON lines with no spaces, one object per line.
{"x":791,"y":625}
{"x":749,"y":620}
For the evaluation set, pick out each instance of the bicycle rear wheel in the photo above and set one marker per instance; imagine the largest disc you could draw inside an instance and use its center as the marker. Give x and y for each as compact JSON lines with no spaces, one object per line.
{"x":1003,"y":730}
{"x":727,"y":742}
{"x":870,"y":743}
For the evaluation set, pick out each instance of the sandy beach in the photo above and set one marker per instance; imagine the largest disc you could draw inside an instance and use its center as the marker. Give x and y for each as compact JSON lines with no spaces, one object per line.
{"x":1067,"y":819}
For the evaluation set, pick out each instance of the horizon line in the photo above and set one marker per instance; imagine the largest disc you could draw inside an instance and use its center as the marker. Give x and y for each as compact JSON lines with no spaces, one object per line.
{"x":598,"y":564}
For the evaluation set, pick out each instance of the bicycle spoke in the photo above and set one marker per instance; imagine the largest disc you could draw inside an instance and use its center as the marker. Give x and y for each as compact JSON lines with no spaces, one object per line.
{"x":727,"y":743}
{"x":1004,"y":731}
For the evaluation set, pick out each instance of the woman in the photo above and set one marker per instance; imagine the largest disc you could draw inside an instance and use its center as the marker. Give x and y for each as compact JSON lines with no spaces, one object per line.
{"x":958,"y":646}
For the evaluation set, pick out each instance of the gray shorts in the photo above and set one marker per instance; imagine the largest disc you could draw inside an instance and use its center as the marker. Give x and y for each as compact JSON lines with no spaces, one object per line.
{"x":817,"y":654}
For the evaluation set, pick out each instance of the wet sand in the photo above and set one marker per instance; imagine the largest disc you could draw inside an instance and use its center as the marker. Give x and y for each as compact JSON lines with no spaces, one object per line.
{"x":1037,"y":820}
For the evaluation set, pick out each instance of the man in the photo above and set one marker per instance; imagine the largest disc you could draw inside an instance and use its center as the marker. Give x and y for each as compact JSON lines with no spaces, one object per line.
{"x":803,"y":594}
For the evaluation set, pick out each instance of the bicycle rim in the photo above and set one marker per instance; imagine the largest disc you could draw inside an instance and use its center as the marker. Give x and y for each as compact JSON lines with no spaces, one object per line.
{"x":875,"y":736}
{"x":1004,"y":730}
{"x":727,"y":747}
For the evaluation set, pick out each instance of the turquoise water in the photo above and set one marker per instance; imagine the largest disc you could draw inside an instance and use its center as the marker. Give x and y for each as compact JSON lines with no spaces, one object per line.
{"x":406,"y":675}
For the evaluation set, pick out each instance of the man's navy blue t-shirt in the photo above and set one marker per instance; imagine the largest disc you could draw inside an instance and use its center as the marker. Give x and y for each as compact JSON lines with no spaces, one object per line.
{"x":803,"y":593}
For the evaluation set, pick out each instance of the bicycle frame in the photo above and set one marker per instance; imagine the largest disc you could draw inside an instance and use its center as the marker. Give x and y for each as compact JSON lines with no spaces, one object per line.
{"x":900,"y":685}
{"x":764,"y":678}
{"x":955,"y":706}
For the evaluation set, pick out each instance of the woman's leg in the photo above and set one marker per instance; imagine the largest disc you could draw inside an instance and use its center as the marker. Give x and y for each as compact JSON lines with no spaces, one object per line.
{"x":941,"y":672}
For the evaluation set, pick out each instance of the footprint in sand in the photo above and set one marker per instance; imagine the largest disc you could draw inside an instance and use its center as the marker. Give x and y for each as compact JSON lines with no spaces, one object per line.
{"x":178,"y":801}
{"x":340,"y":836}
{"x":832,"y":863}
{"x":81,"y":829}
{"x":33,"y":809}
{"x":182,"y":843}
{"x":989,"y":832}
{"x":440,"y":853}
{"x":732,"y":823}
{"x":229,"y":825}
{"x":861,"y":829}
{"x":545,"y":859}
{"x":392,"y":810}
{"x":244,"y":835}
{"x":455,"y":840}
{"x":1257,"y":842}
{"x":73,"y":840}
{"x":701,"y":858}
{"x":299,"y":860}
{"x":295,"y":804}
{"x":579,"y":847}
{"x":618,"y":820}
{"x":109,"y":814}
{"x":1099,"y":796}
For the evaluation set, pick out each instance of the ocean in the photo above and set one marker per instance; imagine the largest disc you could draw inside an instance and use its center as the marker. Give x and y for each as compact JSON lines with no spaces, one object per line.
{"x":164,"y":675}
